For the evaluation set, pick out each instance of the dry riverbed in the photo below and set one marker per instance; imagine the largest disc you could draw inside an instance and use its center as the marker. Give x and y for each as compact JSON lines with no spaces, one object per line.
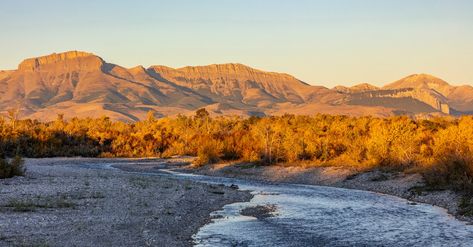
{"x":60,"y":204}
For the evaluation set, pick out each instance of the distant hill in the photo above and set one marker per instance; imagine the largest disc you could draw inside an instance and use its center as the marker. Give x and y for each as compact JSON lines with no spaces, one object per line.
{"x":81,"y":84}
{"x":459,"y":98}
{"x":363,"y":87}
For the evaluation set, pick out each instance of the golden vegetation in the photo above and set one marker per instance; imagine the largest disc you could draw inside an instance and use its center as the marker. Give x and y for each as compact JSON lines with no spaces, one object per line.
{"x":440,"y":148}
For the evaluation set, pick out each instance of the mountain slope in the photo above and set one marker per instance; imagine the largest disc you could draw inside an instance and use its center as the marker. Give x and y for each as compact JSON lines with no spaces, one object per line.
{"x":459,"y":98}
{"x":82,"y":84}
{"x":238,"y":83}
{"x":422,"y":81}
{"x":78,"y":78}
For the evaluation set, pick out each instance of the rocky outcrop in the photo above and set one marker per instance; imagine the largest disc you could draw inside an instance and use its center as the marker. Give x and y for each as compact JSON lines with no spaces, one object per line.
{"x":430,"y":97}
{"x":237,"y":82}
{"x":363,"y":87}
{"x":69,"y":59}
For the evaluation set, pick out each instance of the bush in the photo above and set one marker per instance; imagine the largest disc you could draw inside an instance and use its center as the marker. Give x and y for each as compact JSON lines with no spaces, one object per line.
{"x":394,"y":144}
{"x":208,"y":153}
{"x":452,"y":173}
{"x":441,"y":148}
{"x":451,"y":165}
{"x":11,"y":169}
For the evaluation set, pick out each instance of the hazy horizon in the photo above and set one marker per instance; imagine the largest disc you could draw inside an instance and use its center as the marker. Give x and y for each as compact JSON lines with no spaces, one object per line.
{"x":322,"y":43}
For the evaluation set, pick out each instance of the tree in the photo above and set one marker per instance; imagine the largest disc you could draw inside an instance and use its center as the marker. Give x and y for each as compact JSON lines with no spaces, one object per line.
{"x":202,"y":113}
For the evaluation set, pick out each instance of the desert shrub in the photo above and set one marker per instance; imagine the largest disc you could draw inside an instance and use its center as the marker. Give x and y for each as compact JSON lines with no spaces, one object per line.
{"x":249,"y":148}
{"x":209,"y":152}
{"x":441,"y":148}
{"x":394,"y":143}
{"x":451,"y":164}
{"x":449,"y":173}
{"x":465,"y":206}
{"x":12,"y":168}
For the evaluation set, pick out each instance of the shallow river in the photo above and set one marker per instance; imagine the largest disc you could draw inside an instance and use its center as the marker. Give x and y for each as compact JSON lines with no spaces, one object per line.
{"x":324,"y":216}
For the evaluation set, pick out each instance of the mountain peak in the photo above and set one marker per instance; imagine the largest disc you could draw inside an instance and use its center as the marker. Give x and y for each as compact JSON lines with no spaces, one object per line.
{"x":33,"y":64}
{"x":420,"y":78}
{"x":418,"y":81}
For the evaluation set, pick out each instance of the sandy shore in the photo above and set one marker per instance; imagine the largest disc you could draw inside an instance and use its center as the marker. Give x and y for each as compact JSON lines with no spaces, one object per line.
{"x":60,"y":204}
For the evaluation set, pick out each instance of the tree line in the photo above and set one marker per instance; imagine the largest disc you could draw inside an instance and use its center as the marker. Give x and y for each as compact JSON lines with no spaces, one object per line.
{"x":441,"y":148}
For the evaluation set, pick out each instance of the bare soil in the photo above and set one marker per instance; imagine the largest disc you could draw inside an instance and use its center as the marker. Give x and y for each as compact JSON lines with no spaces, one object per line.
{"x":61,"y":203}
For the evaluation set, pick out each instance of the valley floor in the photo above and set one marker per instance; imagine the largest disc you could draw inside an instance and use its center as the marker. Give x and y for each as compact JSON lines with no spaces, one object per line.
{"x":61,"y":202}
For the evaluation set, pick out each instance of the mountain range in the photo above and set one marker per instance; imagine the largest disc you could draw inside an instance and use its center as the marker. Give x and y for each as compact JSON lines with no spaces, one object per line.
{"x":81,"y":84}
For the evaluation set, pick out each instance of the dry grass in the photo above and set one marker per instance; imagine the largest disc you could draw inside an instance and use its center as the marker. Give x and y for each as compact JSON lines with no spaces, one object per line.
{"x":29,"y":205}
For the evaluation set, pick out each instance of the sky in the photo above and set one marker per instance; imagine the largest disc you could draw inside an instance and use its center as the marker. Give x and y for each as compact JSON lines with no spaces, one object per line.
{"x":326,"y":43}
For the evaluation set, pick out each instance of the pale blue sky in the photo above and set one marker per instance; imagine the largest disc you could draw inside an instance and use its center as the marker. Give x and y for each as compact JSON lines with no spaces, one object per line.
{"x":321,"y":42}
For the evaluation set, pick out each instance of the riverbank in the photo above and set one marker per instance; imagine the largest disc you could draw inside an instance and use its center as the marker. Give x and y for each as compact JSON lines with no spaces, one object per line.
{"x":85,"y":202}
{"x":61,"y":202}
{"x":409,"y":186}
{"x":282,"y":213}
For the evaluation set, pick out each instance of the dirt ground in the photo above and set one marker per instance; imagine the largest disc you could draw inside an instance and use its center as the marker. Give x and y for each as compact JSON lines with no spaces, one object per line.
{"x":62,"y":203}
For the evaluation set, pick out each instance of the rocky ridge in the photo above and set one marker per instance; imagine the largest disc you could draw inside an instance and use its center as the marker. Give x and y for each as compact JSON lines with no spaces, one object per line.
{"x":81,"y":84}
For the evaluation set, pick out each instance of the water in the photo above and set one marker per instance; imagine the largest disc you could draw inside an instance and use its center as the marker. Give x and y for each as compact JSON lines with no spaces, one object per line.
{"x":324,"y":216}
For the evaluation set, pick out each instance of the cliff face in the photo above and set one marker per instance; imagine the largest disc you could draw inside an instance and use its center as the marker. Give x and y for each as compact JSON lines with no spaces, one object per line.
{"x":83,"y":84}
{"x":67,"y":60}
{"x":430,"y":97}
{"x":427,"y":96}
{"x":237,"y":82}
